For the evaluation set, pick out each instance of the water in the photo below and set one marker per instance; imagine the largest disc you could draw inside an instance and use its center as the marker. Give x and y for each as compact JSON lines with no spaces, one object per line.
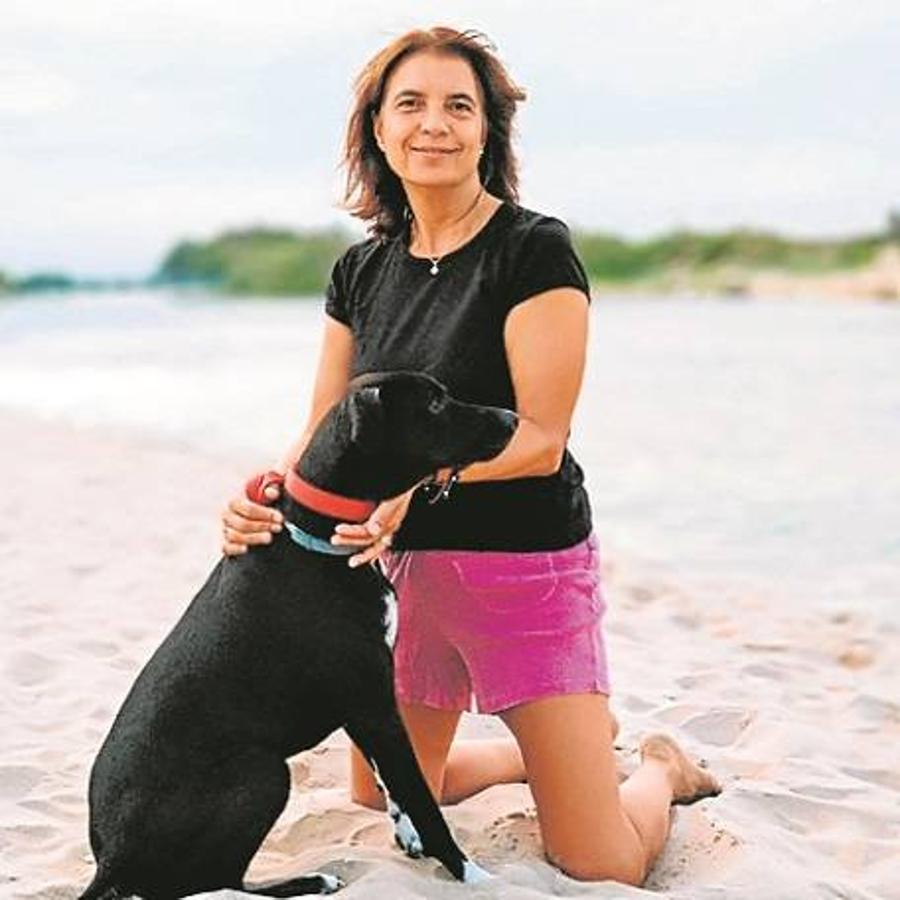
{"x":728,"y":445}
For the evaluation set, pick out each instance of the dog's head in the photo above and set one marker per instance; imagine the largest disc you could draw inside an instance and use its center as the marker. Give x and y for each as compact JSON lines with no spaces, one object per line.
{"x":394,"y":428}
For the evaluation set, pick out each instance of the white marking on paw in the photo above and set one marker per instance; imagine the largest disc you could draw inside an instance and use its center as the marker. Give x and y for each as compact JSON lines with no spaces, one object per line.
{"x":474,"y":874}
{"x":330,"y":883}
{"x":405,"y":832}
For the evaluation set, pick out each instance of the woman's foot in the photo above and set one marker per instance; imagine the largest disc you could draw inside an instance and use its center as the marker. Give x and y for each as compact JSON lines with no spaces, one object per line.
{"x":689,"y":781}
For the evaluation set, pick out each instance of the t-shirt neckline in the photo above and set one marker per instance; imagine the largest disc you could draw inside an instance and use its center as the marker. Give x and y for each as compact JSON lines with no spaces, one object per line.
{"x":476,"y":238}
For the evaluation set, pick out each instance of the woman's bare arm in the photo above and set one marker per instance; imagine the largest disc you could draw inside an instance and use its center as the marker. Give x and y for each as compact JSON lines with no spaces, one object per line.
{"x":245,"y":523}
{"x":546,"y":345}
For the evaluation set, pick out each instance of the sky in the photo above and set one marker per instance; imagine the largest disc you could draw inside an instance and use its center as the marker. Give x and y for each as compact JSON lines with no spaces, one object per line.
{"x":127,"y":125}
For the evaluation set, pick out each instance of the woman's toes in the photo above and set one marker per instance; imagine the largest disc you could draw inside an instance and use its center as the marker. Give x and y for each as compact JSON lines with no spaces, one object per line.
{"x":689,"y":781}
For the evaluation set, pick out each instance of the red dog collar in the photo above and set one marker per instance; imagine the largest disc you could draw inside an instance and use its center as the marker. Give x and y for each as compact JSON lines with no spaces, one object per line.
{"x":346,"y":509}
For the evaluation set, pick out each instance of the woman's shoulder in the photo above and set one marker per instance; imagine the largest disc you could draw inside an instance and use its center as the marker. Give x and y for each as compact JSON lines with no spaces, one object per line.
{"x":529,"y":232}
{"x":358,"y":253}
{"x":531,"y":225}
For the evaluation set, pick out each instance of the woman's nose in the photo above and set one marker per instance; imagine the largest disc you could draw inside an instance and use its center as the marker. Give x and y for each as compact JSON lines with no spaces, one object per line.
{"x":434,"y":121}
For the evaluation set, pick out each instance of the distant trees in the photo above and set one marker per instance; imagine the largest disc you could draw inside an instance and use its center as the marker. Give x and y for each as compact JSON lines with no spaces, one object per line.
{"x":265,"y":261}
{"x":893,"y":225}
{"x":610,"y":258}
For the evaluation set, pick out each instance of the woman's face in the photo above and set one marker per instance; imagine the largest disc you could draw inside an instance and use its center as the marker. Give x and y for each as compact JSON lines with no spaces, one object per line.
{"x":432,"y":125}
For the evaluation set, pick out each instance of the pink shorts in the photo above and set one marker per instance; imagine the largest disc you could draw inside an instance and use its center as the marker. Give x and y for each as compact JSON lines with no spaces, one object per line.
{"x":500,"y":627}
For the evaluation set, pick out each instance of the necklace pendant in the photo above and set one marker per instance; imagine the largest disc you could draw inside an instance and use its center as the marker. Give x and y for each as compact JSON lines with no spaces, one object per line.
{"x":434,"y":267}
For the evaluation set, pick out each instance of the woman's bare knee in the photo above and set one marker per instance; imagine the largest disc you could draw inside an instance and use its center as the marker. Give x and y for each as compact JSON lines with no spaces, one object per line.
{"x":626,"y":869}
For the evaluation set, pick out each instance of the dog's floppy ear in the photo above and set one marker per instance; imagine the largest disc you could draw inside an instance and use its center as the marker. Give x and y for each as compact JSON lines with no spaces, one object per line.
{"x":366,"y":417}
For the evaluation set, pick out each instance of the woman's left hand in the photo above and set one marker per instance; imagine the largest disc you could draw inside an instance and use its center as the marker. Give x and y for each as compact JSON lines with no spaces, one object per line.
{"x":376,"y":532}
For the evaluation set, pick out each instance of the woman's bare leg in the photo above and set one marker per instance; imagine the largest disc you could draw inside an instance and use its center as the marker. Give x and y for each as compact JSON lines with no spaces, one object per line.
{"x":474,"y":765}
{"x":591,"y":828}
{"x":464,"y":770}
{"x":469,"y":767}
{"x":431,"y":732}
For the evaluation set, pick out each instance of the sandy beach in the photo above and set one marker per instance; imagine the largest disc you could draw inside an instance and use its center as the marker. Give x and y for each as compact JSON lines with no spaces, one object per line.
{"x":104,"y":538}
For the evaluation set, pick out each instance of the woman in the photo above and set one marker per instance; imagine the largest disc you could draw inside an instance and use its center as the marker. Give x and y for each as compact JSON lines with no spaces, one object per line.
{"x":498,"y":585}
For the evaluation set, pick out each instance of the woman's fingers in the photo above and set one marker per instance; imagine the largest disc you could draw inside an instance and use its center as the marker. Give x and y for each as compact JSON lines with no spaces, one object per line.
{"x":371,"y":553}
{"x":247,"y":509}
{"x":245,"y":523}
{"x":376,"y":532}
{"x":233,"y":545}
{"x":242,"y":537}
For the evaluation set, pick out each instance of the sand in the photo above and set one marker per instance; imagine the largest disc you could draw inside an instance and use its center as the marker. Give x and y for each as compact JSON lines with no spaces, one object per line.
{"x":104,"y":538}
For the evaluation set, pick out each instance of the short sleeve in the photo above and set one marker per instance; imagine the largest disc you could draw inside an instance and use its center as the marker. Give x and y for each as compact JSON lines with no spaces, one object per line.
{"x":336,"y":296}
{"x":545,"y":260}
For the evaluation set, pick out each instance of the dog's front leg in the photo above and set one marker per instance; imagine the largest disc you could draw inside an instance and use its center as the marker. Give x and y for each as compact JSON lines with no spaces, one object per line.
{"x":419,"y":825}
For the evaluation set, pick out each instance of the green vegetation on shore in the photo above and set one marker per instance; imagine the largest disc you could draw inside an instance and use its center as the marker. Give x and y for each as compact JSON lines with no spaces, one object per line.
{"x":60,"y":282}
{"x":263,"y":261}
{"x":266,"y":261}
{"x":608,"y":258}
{"x":276,"y":262}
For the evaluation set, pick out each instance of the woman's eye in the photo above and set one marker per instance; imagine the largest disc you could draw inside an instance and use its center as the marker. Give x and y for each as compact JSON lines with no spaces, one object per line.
{"x":461,"y":106}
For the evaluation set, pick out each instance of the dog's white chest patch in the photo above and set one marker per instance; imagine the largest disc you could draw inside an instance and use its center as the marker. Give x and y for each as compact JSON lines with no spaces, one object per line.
{"x":390,"y":616}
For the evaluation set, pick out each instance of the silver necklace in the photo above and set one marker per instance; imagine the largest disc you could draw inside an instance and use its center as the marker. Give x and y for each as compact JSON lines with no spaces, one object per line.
{"x":434,"y":260}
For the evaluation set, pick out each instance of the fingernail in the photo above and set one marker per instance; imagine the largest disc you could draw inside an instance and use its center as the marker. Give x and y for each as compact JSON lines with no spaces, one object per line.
{"x":353,"y":562}
{"x":276,"y":526}
{"x":267,"y":537}
{"x":278,"y":517}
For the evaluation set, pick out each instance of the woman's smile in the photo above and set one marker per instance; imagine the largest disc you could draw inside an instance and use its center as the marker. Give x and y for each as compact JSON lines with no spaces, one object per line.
{"x":437,"y":152}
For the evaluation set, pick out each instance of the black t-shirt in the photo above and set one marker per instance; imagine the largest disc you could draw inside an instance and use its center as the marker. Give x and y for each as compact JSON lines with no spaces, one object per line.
{"x":450,"y":325}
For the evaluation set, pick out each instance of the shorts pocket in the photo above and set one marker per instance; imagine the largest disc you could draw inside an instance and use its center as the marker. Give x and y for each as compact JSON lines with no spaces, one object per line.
{"x":537,"y":595}
{"x":499,"y":571}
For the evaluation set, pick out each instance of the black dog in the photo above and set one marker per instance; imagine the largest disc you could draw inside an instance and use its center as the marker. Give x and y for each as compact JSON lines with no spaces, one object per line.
{"x":281,"y":647}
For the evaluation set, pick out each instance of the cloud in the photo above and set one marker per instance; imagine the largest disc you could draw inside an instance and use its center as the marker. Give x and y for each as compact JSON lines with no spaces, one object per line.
{"x":128,"y":124}
{"x":672,"y":48}
{"x":793,"y":185}
{"x":27,"y":89}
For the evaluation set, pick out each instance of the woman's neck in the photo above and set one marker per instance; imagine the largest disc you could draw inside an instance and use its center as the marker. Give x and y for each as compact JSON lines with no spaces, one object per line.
{"x":445,"y":216}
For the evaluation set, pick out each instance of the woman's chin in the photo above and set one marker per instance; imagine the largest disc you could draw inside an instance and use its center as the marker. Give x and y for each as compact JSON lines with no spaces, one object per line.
{"x":443,"y":180}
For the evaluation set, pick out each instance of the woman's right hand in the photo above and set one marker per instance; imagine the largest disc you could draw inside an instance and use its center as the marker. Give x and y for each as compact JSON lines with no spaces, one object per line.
{"x":245,"y":523}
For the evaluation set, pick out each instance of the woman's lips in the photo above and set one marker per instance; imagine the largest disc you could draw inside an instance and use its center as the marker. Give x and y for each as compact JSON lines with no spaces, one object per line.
{"x":435,"y":151}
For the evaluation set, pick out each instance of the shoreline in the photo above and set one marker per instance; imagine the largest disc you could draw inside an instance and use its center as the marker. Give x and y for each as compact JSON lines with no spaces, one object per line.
{"x":878,"y":281}
{"x":106,"y":536}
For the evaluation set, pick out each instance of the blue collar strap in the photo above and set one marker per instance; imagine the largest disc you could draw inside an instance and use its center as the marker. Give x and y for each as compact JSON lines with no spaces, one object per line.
{"x":317,"y":544}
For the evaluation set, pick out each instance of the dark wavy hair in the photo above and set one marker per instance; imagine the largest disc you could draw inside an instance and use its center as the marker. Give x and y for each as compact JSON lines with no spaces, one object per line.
{"x":373,"y":192}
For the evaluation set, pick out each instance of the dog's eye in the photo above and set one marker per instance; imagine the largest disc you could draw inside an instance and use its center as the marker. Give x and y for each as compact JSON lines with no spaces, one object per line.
{"x":436,"y":405}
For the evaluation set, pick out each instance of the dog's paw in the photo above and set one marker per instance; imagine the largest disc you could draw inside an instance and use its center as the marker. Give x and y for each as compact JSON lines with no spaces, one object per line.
{"x":328,"y":884}
{"x":474,"y":874}
{"x":405,"y":833}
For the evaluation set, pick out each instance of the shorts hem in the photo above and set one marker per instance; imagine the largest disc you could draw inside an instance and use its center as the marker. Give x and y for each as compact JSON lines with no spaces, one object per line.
{"x":500,"y":704}
{"x":445,"y":705}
